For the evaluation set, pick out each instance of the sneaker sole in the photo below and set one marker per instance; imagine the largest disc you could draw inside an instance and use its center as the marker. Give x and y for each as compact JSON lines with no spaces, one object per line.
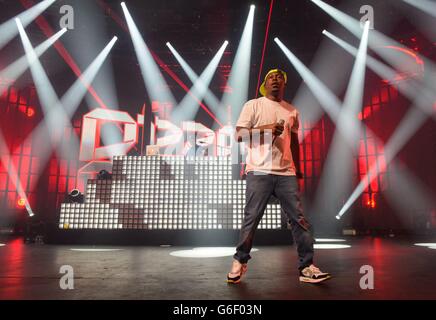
{"x":233,"y":281}
{"x":308,"y":280}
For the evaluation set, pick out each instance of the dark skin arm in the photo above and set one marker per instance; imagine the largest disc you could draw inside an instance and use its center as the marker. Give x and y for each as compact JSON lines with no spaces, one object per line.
{"x":295,"y":150}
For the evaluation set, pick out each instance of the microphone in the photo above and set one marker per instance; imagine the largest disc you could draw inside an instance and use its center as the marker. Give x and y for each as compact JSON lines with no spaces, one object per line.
{"x":281,"y":122}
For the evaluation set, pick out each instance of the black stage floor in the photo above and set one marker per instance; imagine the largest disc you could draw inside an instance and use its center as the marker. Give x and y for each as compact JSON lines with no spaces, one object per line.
{"x":401,"y":271}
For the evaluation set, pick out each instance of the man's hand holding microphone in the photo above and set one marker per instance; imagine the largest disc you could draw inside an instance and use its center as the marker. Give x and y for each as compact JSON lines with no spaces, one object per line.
{"x":277,"y":129}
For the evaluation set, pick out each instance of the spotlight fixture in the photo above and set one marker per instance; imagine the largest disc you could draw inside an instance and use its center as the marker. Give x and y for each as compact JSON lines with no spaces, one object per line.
{"x":104,"y":175}
{"x":30,"y":112}
{"x":75,"y":196}
{"x":21,"y":203}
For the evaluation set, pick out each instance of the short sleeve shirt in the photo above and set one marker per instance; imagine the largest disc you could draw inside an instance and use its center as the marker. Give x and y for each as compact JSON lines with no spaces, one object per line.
{"x":265,"y":154}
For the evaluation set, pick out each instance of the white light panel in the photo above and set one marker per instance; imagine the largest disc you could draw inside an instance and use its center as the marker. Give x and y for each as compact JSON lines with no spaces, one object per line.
{"x":152,"y":192}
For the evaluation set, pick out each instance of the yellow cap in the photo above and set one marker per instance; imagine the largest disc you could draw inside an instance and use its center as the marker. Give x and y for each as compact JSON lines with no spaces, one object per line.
{"x":262,"y":86}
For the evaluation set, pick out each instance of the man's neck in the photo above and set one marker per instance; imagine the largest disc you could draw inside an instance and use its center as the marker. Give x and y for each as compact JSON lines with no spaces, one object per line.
{"x":274,"y":98}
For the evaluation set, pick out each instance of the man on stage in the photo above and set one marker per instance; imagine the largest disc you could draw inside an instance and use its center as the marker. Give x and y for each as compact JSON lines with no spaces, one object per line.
{"x":269,"y":126}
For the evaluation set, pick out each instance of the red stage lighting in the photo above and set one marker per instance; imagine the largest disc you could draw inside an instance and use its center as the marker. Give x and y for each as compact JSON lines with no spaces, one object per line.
{"x":21,"y":203}
{"x":371,"y":204}
{"x":30,"y":112}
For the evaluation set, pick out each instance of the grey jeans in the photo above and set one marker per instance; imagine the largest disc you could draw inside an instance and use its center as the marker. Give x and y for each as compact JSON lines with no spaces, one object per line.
{"x":260,"y":187}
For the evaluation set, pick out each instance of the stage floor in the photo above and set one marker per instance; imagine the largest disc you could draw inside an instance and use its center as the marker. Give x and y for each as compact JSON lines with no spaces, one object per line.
{"x":401,"y":271}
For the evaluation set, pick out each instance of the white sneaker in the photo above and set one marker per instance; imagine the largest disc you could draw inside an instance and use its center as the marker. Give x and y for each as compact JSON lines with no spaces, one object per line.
{"x":312,"y":274}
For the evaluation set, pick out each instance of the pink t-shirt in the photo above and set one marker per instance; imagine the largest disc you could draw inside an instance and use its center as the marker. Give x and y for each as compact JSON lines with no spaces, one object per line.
{"x":261,"y":156}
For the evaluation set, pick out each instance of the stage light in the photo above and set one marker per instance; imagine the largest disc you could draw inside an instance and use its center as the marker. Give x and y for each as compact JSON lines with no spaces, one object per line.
{"x":411,"y":122}
{"x":240,"y":72}
{"x":426,"y":6}
{"x":21,"y":203}
{"x":209,"y":97}
{"x":329,"y":240}
{"x":75,"y":196}
{"x":30,"y":112}
{"x":340,"y":159}
{"x":104,"y":83}
{"x":371,"y":204}
{"x":95,"y":250}
{"x":13,"y":71}
{"x":410,"y":89}
{"x":265,"y":41}
{"x":7,"y":162}
{"x":206,"y":252}
{"x":330,"y":246}
{"x":379,"y":42}
{"x":408,"y":126}
{"x":430,"y":245}
{"x":328,"y":101}
{"x":104,"y":175}
{"x":188,"y":107}
{"x":58,"y":116}
{"x":153,"y":79}
{"x":354,"y":94}
{"x":46,"y":93}
{"x":8,"y":29}
{"x":332,"y":105}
